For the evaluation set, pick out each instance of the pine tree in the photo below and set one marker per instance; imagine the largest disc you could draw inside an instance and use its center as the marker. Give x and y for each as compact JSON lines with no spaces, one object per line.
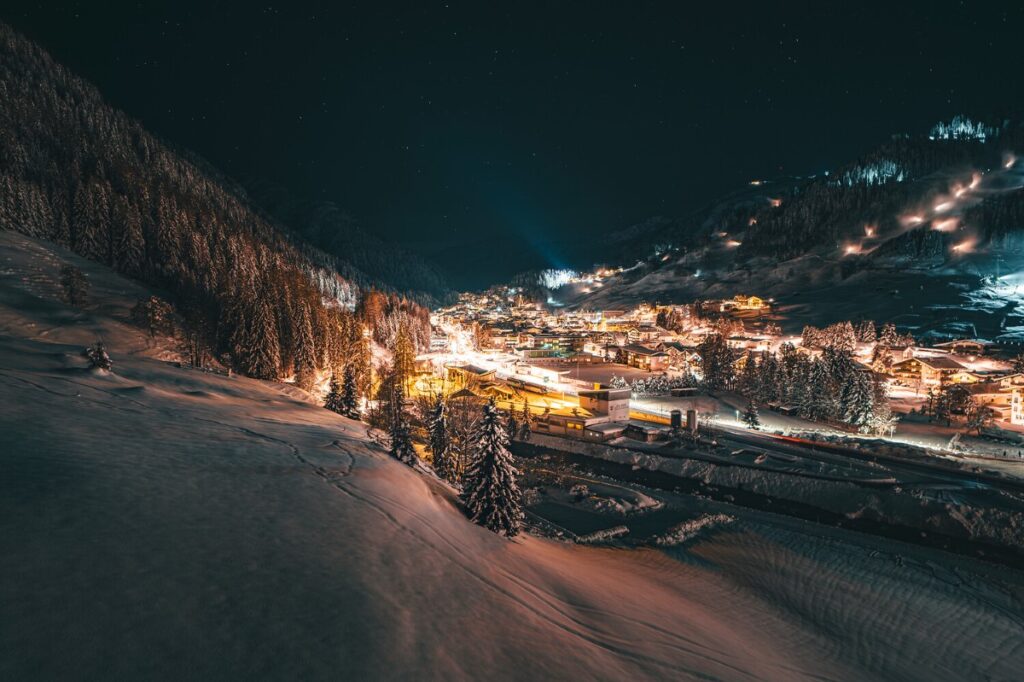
{"x":525,"y":424}
{"x":333,"y":400}
{"x":747,"y":383}
{"x":768,"y":379}
{"x":858,"y":400}
{"x":401,"y":436}
{"x":716,"y":362}
{"x":441,"y":443}
{"x":821,"y":401}
{"x":256,"y":347}
{"x":154,"y":315}
{"x":98,"y":358}
{"x":349,"y":400}
{"x":888,"y":336}
{"x":511,"y":425}
{"x":404,"y":360}
{"x":866,"y":332}
{"x":305,"y":349}
{"x":750,"y":416}
{"x":489,"y":489}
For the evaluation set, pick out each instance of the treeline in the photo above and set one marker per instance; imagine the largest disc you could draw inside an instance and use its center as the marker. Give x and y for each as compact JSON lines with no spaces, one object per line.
{"x":77,"y":172}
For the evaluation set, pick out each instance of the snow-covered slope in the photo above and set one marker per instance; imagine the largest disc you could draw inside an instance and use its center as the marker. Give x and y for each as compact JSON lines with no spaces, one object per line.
{"x":160,"y":522}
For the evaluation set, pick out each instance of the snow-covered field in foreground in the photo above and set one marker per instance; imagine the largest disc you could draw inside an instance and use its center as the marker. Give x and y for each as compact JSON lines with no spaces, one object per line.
{"x":165,"y":523}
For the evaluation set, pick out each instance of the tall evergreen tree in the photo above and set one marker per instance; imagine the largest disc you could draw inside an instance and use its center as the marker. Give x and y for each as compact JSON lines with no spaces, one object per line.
{"x":404,"y":360}
{"x":858,"y":400}
{"x":888,"y":336}
{"x":441,"y":443}
{"x":401,"y":433}
{"x":333,"y":400}
{"x":768,"y":379}
{"x":821,"y":402}
{"x":866,"y":332}
{"x":716,"y":362}
{"x":349,"y":400}
{"x":489,"y":488}
{"x":747,"y":383}
{"x":750,"y":416}
{"x":256,"y":347}
{"x":305,"y":349}
{"x":525,"y":424}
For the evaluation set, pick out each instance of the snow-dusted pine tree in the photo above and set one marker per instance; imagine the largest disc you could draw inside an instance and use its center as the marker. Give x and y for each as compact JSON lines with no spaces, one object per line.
{"x":525,"y":424}
{"x":256,"y":344}
{"x":512,"y":424}
{"x":750,"y":416}
{"x":349,"y":400}
{"x":97,"y":356}
{"x":333,"y":400}
{"x":747,"y":383}
{"x":489,"y":488}
{"x":857,"y":399}
{"x":441,"y":443}
{"x":305,"y":349}
{"x":401,"y":438}
{"x":888,"y":336}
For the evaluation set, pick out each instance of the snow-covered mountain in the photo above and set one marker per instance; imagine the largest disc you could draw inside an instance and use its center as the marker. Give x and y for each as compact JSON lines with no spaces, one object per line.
{"x":908,"y":229}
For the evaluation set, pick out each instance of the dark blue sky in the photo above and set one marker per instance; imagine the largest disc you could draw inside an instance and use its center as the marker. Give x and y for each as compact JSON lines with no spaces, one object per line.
{"x":480,"y":132}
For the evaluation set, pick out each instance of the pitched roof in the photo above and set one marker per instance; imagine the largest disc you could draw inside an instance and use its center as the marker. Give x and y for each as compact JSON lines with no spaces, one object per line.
{"x":941,"y":363}
{"x":641,"y":350}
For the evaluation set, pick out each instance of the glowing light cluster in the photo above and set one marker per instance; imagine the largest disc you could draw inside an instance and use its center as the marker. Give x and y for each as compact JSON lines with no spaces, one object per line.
{"x":877,"y":173}
{"x":962,"y":128}
{"x":555,"y":279}
{"x":966,"y":246}
{"x":945,"y":225}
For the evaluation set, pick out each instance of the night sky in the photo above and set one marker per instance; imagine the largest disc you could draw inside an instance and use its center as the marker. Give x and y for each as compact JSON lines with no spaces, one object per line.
{"x":489,"y":135}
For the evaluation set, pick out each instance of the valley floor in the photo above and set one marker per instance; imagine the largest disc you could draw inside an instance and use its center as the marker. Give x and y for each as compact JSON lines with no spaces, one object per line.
{"x":165,"y":523}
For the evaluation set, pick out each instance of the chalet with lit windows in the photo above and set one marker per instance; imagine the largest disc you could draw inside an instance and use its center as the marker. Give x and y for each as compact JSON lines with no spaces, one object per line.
{"x":680,"y":356}
{"x":644,"y":358}
{"x":929,"y":371}
{"x":645,"y":334}
{"x":1017,"y":406}
{"x":992,"y":395}
{"x":743,"y":303}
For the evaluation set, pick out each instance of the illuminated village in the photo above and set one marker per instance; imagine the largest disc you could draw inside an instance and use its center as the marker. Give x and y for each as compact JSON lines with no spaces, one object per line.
{"x":511,"y":342}
{"x":647,"y":366}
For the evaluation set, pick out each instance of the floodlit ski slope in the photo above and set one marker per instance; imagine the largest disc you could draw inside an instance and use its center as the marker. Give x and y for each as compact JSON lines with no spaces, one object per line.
{"x":160,"y":522}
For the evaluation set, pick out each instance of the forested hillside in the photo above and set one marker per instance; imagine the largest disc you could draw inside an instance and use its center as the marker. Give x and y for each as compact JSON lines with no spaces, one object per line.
{"x":77,"y":172}
{"x":789,"y":217}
